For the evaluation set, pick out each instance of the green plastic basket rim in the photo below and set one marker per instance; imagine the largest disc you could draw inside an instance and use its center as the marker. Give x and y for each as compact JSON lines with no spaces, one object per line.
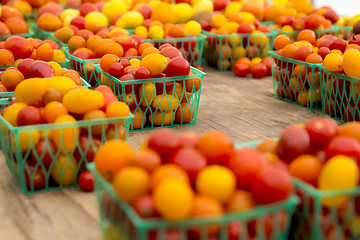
{"x":303,"y":185}
{"x":200,"y":37}
{"x":197,"y":73}
{"x":78,"y":123}
{"x":338,"y":27}
{"x":274,"y":30}
{"x":291,"y":202}
{"x":274,"y":55}
{"x":25,"y":35}
{"x":339,"y":75}
{"x":207,"y":33}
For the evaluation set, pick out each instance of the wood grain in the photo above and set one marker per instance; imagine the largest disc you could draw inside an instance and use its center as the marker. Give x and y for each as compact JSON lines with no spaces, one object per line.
{"x":245,"y":108}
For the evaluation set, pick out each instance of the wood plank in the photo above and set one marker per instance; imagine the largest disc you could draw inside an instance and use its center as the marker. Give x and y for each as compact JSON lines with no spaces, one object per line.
{"x":244,"y":108}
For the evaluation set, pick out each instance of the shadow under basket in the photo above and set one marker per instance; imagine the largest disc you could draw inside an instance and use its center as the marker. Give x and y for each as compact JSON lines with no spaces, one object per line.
{"x":296,"y":81}
{"x":158,"y":102}
{"x":118,"y":220}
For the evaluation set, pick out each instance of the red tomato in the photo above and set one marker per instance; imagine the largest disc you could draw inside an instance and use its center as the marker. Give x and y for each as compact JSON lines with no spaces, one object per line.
{"x":125,"y":62}
{"x":35,"y":178}
{"x":23,"y":67}
{"x":164,"y":142}
{"x":271,"y":223}
{"x":171,"y":52}
{"x":19,"y":46}
{"x":116,"y":69}
{"x":86,"y":181}
{"x":235,"y":230}
{"x":258,"y":70}
{"x":41,"y":148}
{"x":241,"y":69}
{"x":246,"y":164}
{"x":142,"y":73}
{"x":189,"y":139}
{"x":191,"y":160}
{"x":294,"y":141}
{"x":169,"y":234}
{"x":271,"y":185}
{"x":177,"y":66}
{"x":344,"y":146}
{"x":321,"y":131}
{"x":144,"y":206}
{"x":267,"y":62}
{"x":87,"y":147}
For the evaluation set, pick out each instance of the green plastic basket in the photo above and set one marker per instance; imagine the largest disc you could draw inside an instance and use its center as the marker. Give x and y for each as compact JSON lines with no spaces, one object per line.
{"x":158,"y":102}
{"x":30,"y":34}
{"x":118,"y":220}
{"x":296,"y":81}
{"x":340,"y":94}
{"x":84,"y":67}
{"x":60,"y":166}
{"x":31,"y":17}
{"x":343,"y":32}
{"x":314,"y":221}
{"x":191,"y":48}
{"x":293,"y":35}
{"x":41,"y":34}
{"x":222,"y":51}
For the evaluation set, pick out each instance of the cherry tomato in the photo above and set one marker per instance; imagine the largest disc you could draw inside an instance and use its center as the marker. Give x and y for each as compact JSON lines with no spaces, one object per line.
{"x":116,"y":69}
{"x":35,"y":178}
{"x":241,"y":69}
{"x":321,"y":131}
{"x":271,"y":185}
{"x":142,"y":73}
{"x":344,"y":146}
{"x":144,"y":207}
{"x":177,"y":66}
{"x":258,"y":70}
{"x":86,"y":181}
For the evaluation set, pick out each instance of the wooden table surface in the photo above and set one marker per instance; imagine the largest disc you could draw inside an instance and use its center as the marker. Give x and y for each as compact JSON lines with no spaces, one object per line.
{"x":244,"y":108}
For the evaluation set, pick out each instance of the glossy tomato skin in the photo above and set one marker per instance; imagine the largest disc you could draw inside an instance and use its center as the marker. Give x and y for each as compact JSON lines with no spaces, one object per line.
{"x":164,"y":142}
{"x":85,"y":144}
{"x":116,"y":69}
{"x":23,"y":67}
{"x":35,"y":175}
{"x":144,"y":207}
{"x":86,"y":181}
{"x":344,"y":146}
{"x":191,"y":160}
{"x":41,"y":69}
{"x":19,"y":46}
{"x":142,"y":73}
{"x":294,"y":141}
{"x":177,"y":66}
{"x":246,"y":164}
{"x":241,"y":69}
{"x":189,"y":139}
{"x":321,"y":131}
{"x":259,"y":70}
{"x":271,"y":185}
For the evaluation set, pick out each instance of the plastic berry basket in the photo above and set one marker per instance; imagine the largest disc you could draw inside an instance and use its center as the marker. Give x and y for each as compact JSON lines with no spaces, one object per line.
{"x":30,"y":34}
{"x":222,"y":51}
{"x":340,"y":95}
{"x":118,"y":220}
{"x":41,"y":34}
{"x":343,"y":32}
{"x":294,"y":34}
{"x":158,"y":102}
{"x":19,"y":149}
{"x":191,"y":48}
{"x":296,"y":81}
{"x":319,"y":215}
